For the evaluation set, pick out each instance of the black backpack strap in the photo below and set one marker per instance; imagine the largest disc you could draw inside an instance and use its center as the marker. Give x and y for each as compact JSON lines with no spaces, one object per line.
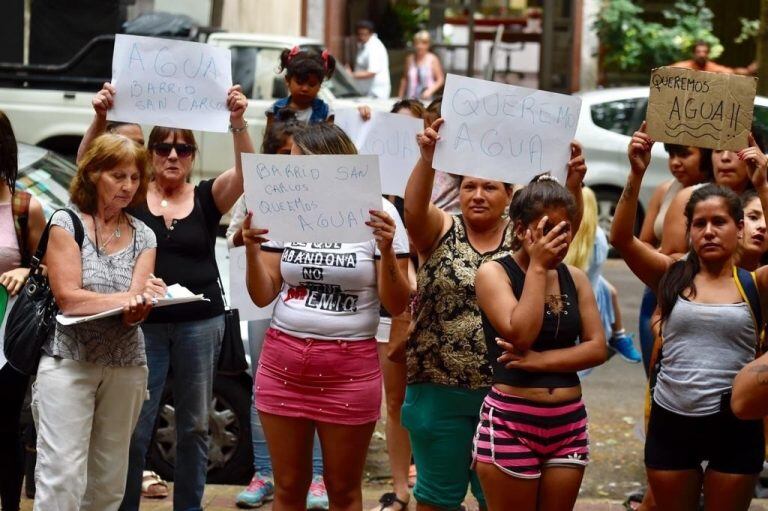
{"x":42,"y":245}
{"x":745,"y":281}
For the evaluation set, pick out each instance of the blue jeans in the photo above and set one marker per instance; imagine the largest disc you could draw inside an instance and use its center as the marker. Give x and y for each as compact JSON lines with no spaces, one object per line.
{"x":261,"y":462}
{"x":647,"y":306}
{"x":190,"y":350}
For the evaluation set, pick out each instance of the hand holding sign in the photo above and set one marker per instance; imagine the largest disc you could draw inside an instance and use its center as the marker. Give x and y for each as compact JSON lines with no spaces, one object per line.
{"x":178,"y":84}
{"x":639,"y":150}
{"x":252,"y":236}
{"x":756,"y":162}
{"x":383,"y":229}
{"x":103,"y":100}
{"x":428,"y":140}
{"x":577,"y":167}
{"x":236,"y":104}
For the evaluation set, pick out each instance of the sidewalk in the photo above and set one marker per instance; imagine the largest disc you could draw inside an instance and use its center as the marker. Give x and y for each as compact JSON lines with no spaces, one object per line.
{"x":221,"y":498}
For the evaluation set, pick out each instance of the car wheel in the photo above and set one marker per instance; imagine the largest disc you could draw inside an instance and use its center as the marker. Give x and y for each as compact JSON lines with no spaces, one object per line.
{"x":230,"y":455}
{"x":607,"y":198}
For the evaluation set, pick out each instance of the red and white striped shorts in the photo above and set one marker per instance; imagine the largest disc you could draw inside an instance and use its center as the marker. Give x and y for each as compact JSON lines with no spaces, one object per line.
{"x":521,"y":437}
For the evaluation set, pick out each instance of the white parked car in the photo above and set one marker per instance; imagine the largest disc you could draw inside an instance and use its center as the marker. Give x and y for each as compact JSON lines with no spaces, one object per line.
{"x":608,"y":119}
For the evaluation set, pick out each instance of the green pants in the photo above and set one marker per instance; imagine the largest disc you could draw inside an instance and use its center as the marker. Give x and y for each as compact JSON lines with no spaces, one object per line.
{"x":441,"y":422}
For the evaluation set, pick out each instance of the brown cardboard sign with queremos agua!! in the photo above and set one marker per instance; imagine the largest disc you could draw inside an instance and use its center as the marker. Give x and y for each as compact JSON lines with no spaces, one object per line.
{"x":696,"y":108}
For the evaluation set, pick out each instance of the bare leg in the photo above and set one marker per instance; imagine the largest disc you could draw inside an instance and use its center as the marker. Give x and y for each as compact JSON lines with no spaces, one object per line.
{"x":504,"y":492}
{"x":289,"y":441}
{"x":344,"y":452}
{"x":559,"y":487}
{"x":398,"y":443}
{"x":675,"y":490}
{"x":728,"y":492}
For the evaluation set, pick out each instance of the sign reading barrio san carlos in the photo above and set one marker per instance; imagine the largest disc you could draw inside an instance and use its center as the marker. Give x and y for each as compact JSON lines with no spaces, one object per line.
{"x":700,"y":109}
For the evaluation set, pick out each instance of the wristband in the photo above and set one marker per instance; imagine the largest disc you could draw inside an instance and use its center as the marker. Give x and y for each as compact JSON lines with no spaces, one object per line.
{"x":239,"y":130}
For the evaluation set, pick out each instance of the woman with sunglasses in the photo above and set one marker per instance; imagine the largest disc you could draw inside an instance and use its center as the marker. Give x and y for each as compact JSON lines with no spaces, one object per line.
{"x":185,"y":338}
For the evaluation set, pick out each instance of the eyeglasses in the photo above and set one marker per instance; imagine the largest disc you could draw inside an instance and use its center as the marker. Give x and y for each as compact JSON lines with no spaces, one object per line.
{"x":182,"y":150}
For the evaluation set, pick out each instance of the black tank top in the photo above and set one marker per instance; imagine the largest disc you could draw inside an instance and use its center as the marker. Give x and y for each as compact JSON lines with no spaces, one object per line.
{"x":560,"y":329}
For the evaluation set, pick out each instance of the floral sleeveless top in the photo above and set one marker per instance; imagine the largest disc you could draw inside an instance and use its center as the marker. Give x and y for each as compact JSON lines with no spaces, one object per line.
{"x":447,"y":346}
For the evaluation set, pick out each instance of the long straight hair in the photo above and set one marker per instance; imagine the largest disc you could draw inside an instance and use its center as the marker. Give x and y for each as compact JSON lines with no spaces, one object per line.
{"x":680,"y":275}
{"x":583,"y":243}
{"x":9,"y":163}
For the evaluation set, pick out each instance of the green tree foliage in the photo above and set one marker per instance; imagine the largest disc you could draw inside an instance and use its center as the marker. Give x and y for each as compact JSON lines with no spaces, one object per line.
{"x":629,"y":43}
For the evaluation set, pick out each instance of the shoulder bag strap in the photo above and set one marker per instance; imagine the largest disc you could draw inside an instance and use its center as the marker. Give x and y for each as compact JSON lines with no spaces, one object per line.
{"x":42,"y":245}
{"x":747,"y":285}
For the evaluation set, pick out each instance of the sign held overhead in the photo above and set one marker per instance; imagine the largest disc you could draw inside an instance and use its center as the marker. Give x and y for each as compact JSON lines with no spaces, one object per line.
{"x":504,"y":132}
{"x":700,"y":109}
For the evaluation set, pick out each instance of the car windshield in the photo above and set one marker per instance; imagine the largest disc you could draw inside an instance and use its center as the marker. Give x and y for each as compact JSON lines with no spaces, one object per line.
{"x":47,"y":179}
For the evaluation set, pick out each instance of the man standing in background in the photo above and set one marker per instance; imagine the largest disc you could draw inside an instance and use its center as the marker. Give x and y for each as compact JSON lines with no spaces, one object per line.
{"x":701,"y":62}
{"x":372,"y":62}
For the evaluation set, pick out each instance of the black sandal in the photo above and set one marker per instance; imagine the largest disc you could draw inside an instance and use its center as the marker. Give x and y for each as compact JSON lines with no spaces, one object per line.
{"x":390,"y":499}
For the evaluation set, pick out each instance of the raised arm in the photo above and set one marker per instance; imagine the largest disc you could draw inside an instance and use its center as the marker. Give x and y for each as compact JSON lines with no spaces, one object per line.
{"x":262,"y":272}
{"x":101,"y":102}
{"x":590,"y":351}
{"x":646,"y":263}
{"x":391,"y":272}
{"x":577,"y":169}
{"x":519,"y":321}
{"x":228,"y":187}
{"x":425,"y":220}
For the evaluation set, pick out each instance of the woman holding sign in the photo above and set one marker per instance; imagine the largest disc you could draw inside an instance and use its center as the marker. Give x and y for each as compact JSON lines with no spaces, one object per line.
{"x":319,"y":368}
{"x":185,"y":338}
{"x":709,"y":311}
{"x":448,"y":371}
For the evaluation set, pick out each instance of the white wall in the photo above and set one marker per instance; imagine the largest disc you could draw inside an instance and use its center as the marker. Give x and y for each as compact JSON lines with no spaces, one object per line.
{"x":589,"y":46}
{"x":263,"y":16}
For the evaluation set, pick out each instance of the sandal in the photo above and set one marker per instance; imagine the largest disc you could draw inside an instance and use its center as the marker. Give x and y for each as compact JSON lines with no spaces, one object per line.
{"x":388,"y":500}
{"x":152,"y":486}
{"x":634,"y":500}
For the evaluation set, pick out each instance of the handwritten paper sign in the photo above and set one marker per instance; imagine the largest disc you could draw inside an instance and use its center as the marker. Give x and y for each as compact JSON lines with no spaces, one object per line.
{"x":700,"y":109}
{"x":238,"y":291}
{"x":178,"y":84}
{"x":504,"y":132}
{"x":390,"y":136}
{"x":316,"y":199}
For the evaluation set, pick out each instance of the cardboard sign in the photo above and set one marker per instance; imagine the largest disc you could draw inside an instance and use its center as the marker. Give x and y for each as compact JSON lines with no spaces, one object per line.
{"x":390,"y":136}
{"x":700,"y":109}
{"x":315,"y":199}
{"x":504,"y":132}
{"x":163,"y":82}
{"x":238,"y":291}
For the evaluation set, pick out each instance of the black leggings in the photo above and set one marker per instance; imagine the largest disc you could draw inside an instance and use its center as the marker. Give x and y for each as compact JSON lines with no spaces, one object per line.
{"x":13,"y":387}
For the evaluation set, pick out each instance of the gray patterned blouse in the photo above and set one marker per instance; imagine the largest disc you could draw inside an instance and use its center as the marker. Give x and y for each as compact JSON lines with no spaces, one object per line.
{"x":106,"y":341}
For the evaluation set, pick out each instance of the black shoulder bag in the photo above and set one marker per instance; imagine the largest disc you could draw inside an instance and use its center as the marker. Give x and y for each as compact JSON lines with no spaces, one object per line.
{"x":33,"y":316}
{"x":232,"y":354}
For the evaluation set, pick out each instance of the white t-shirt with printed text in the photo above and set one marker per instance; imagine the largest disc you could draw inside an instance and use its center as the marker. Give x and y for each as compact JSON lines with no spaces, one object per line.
{"x":330,"y":289}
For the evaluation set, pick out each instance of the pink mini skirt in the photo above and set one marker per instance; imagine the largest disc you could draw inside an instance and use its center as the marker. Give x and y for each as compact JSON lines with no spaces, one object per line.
{"x":338,"y":382}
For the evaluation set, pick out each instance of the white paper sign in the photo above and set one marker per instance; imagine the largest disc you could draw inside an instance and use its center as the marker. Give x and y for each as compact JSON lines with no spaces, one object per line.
{"x":163,"y":82}
{"x":390,"y":136}
{"x":316,"y":199}
{"x":238,"y":291}
{"x":504,"y":132}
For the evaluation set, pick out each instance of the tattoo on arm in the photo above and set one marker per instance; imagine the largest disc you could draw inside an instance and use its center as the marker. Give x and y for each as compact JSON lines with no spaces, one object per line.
{"x":392,"y":272}
{"x":628,"y":192}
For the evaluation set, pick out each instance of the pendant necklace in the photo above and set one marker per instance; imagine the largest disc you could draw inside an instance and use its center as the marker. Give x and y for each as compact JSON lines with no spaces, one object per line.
{"x":163,"y":200}
{"x":115,"y":234}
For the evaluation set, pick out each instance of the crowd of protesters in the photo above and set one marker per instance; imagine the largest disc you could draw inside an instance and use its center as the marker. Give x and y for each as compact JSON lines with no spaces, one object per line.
{"x":479,"y":305}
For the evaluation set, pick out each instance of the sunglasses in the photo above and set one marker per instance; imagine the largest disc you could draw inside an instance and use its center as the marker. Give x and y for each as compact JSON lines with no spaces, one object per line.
{"x":182,"y":150}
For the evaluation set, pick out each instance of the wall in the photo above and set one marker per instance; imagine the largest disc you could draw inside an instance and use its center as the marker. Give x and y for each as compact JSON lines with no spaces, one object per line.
{"x":268,"y":17}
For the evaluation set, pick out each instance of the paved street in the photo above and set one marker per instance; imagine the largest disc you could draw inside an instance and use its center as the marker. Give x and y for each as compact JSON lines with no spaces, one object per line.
{"x":614,"y":395}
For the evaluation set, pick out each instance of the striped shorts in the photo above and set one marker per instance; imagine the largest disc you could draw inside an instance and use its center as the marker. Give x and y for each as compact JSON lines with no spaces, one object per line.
{"x":521,"y":436}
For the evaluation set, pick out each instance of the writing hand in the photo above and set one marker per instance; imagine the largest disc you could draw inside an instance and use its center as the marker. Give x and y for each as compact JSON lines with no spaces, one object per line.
{"x":756,"y":163}
{"x":252,"y":237}
{"x":383,"y":229}
{"x":236,"y":104}
{"x":427,"y":140}
{"x":639,"y":150}
{"x":155,"y":287}
{"x":104,"y":99}
{"x":546,"y":250}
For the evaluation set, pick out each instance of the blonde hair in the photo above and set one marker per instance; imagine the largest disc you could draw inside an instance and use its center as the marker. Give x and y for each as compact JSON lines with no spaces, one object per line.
{"x":583,"y":244}
{"x":422,"y":36}
{"x":107,"y":152}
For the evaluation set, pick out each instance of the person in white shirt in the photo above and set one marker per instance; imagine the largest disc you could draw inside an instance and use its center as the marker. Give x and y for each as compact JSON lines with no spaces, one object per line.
{"x":372,"y":62}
